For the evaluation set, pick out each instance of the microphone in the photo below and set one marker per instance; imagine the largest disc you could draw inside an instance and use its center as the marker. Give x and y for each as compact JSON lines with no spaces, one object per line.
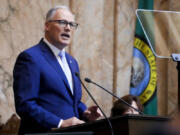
{"x":90,"y":81}
{"x":77,"y":74}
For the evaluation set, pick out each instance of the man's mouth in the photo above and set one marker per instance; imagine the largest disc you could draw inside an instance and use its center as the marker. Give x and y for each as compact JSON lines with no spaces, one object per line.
{"x":65,"y":35}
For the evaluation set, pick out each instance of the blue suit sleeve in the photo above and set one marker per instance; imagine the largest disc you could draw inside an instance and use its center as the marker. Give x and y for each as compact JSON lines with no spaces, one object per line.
{"x":26,"y":87}
{"x":81,"y":108}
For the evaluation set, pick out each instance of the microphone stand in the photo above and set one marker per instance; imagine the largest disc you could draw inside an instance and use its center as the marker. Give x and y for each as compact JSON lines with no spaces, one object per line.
{"x":77,"y":74}
{"x":176,"y":58}
{"x":90,"y":81}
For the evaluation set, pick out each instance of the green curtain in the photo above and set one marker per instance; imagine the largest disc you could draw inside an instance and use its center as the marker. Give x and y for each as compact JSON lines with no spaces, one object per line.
{"x":150,"y":107}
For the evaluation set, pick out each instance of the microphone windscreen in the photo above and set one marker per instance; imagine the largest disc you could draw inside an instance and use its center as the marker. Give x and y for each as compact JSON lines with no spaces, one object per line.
{"x":88,"y":80}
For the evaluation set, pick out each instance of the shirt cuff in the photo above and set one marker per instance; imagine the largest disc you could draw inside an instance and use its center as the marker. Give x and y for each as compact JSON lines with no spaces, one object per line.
{"x":60,"y":122}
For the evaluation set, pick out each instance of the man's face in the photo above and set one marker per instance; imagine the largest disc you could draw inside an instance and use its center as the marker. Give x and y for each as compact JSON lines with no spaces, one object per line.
{"x":59,"y":35}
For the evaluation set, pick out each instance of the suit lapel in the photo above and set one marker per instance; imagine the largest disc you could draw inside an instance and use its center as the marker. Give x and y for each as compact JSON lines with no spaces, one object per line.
{"x":54,"y":63}
{"x":72,"y":68}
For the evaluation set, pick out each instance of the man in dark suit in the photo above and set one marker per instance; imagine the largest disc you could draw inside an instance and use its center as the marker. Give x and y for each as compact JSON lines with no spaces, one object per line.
{"x":47,"y":92}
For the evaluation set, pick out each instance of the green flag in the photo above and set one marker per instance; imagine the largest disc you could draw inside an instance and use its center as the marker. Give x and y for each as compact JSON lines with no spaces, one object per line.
{"x":144,"y":76}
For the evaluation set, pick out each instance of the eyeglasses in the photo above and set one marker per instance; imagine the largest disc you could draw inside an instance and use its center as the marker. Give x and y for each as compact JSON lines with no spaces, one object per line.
{"x":64,"y":23}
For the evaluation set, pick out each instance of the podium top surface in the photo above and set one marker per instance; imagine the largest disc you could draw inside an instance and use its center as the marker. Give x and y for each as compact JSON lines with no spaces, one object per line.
{"x":124,"y":122}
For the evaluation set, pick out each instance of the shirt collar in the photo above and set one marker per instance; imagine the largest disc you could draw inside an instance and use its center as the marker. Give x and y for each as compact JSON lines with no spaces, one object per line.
{"x":54,"y":49}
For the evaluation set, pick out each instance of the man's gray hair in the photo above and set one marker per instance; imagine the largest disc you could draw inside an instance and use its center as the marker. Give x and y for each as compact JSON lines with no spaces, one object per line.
{"x":50,"y":14}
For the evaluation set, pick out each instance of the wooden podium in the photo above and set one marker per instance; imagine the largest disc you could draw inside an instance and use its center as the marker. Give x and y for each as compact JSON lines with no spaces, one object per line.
{"x":122,"y":125}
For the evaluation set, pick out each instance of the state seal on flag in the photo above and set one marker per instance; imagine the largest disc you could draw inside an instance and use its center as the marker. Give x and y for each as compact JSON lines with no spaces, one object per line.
{"x":143,"y":73}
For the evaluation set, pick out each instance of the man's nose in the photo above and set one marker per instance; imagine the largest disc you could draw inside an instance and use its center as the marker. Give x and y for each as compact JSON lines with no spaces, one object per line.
{"x":68,"y":27}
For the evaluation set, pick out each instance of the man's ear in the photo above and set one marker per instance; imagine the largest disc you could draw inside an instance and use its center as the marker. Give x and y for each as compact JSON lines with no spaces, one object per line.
{"x":46,"y":26}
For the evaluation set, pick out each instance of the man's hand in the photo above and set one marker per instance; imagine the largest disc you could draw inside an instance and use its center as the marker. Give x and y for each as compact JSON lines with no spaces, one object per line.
{"x":71,"y":121}
{"x":92,"y":113}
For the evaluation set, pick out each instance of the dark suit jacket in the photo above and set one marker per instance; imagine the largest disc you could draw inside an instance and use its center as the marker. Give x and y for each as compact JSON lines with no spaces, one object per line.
{"x":41,"y":90}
